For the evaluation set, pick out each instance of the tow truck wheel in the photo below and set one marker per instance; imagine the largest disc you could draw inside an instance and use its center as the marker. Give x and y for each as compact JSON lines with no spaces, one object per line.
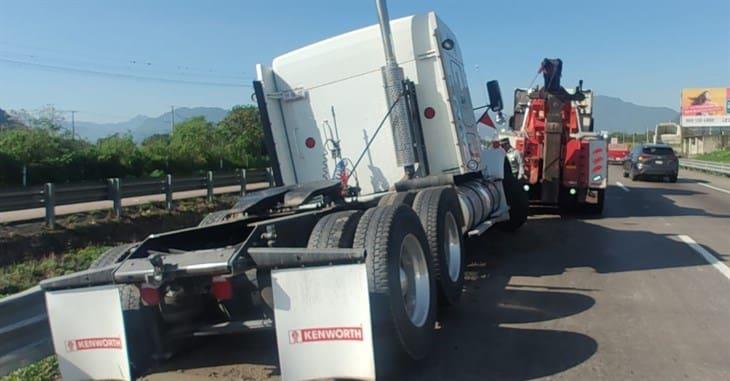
{"x":440,"y":214}
{"x":405,"y":198}
{"x":519,"y":203}
{"x":400,"y":279}
{"x":336,"y":230}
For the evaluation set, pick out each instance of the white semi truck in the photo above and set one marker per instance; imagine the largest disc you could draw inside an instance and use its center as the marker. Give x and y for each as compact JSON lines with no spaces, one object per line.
{"x":376,"y":159}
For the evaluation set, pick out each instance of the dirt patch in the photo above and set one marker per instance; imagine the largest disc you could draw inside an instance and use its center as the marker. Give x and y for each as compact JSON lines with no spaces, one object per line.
{"x":23,"y":241}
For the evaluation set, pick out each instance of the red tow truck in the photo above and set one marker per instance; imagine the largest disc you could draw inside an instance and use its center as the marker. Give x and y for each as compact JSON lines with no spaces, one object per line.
{"x":564,"y":160}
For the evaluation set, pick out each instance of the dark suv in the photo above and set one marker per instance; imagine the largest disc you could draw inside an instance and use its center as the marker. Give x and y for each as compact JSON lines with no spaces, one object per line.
{"x":652,"y":160}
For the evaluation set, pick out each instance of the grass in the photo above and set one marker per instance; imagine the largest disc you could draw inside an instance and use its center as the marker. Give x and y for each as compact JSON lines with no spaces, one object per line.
{"x":24,"y":275}
{"x":720,"y":156}
{"x":44,"y":370}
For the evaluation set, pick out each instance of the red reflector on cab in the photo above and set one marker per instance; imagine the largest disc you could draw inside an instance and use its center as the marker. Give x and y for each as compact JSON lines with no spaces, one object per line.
{"x":310,"y":142}
{"x":429,"y":112}
{"x":495,"y":144}
{"x":221,"y":288}
{"x":150,"y":295}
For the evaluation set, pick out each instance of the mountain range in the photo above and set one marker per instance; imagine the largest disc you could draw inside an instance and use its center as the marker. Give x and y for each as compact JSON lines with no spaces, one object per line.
{"x":611,"y":114}
{"x":142,"y":126}
{"x":616,"y":115}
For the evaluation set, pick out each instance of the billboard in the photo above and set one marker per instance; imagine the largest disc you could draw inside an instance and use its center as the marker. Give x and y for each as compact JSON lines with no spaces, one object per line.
{"x":706,"y":107}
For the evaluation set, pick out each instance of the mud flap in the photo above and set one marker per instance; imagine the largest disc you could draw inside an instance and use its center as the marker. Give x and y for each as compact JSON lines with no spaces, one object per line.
{"x":87,"y":327}
{"x":323,"y":326}
{"x":592,"y":196}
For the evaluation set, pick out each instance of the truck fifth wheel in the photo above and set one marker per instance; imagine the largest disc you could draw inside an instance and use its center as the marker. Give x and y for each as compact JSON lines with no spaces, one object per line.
{"x":376,"y":159}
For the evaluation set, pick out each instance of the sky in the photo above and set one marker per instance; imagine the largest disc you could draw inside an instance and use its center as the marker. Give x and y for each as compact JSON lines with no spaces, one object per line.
{"x":97,"y":57}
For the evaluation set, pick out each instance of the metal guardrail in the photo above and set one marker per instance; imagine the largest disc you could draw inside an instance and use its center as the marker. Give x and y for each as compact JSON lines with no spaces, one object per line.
{"x":51,"y":195}
{"x":706,"y":166}
{"x":25,"y":336}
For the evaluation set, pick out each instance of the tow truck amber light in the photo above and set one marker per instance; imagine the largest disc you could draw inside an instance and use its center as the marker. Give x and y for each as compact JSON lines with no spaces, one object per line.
{"x":150,"y":294}
{"x":221,"y":288}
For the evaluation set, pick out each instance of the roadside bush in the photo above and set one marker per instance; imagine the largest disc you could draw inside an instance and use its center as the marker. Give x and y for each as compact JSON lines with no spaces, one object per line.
{"x":51,"y":155}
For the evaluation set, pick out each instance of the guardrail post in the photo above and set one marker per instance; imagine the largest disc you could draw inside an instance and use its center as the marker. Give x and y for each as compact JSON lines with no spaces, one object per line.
{"x":209,"y":183}
{"x":50,"y":203}
{"x":168,"y":192}
{"x":270,"y":176}
{"x":242,"y":180}
{"x":115,"y":194}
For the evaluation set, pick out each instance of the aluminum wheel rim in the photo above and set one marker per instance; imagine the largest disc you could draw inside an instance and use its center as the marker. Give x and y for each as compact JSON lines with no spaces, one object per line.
{"x":415,"y":286}
{"x":453,"y":248}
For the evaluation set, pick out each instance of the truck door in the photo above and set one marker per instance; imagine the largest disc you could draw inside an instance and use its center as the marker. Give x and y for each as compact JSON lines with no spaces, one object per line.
{"x":306,"y":143}
{"x":464,"y":119}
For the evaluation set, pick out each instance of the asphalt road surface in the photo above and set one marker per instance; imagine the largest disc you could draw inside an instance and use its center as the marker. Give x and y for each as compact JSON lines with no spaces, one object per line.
{"x":641,"y":293}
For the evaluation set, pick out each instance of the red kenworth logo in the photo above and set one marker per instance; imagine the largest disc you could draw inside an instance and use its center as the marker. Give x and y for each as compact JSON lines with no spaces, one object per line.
{"x":306,"y":335}
{"x":93,"y":343}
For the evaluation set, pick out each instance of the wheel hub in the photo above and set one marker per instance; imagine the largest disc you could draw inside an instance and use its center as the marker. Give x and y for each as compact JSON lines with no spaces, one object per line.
{"x":453,"y":248}
{"x":414,"y":280}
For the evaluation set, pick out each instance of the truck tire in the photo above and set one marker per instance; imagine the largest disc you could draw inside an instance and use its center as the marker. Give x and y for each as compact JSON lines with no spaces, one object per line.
{"x":112,"y":256}
{"x":214,"y":218}
{"x":336,"y":230}
{"x":400,"y":280}
{"x":405,"y":198}
{"x":440,"y":214}
{"x":633,"y":175}
{"x":137,"y":319}
{"x":519,"y":203}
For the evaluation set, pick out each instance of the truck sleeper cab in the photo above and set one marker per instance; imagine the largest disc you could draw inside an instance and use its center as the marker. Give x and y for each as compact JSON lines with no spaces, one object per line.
{"x":321,"y":107}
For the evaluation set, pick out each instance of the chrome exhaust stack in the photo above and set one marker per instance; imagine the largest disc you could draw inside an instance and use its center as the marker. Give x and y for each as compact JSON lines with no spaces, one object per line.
{"x":393,"y":79}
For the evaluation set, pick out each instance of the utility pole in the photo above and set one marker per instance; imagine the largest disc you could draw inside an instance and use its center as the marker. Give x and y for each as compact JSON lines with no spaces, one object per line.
{"x":73,"y":124}
{"x":172,"y":122}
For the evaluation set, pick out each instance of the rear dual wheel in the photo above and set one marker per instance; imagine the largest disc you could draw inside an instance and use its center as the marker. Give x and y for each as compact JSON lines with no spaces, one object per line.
{"x":402,"y":288}
{"x":138,"y":320}
{"x":399,"y":269}
{"x":442,"y":220}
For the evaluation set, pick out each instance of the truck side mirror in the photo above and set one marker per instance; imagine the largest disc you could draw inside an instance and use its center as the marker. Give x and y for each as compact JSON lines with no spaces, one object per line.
{"x":495,"y":96}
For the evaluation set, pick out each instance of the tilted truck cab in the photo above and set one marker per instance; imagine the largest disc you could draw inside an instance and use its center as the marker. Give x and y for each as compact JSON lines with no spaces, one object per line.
{"x":343,"y":100}
{"x":378,"y":164}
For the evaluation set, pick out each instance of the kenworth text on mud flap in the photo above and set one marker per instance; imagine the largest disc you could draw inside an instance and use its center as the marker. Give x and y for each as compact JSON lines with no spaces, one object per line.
{"x":377,"y":161}
{"x":565,"y":161}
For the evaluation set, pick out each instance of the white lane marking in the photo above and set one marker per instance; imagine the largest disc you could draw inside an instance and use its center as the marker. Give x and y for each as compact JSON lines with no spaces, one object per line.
{"x":711,"y":259}
{"x":622,"y":186}
{"x":715,"y":188}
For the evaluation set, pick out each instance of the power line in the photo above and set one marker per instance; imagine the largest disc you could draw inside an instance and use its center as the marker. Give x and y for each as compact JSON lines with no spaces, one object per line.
{"x":120,"y":75}
{"x":27,"y":50}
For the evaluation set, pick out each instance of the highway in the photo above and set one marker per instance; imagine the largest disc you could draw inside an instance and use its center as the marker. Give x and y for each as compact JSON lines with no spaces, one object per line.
{"x":641,"y":293}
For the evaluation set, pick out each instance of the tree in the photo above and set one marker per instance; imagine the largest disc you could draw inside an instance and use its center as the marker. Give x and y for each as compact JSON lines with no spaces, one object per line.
{"x":155,"y":150}
{"x":194,"y":144}
{"x":242,"y":136}
{"x":118,"y":156}
{"x":47,"y":118}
